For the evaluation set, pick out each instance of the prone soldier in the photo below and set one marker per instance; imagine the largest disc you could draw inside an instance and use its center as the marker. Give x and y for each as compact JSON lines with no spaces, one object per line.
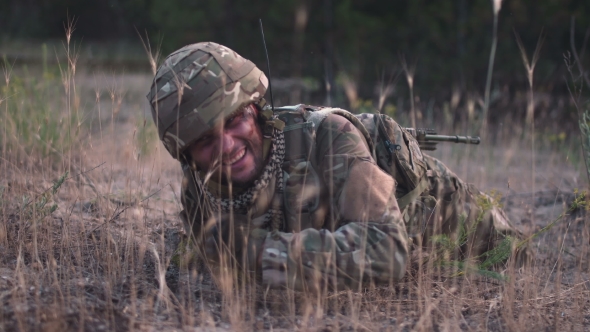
{"x":304,"y":196}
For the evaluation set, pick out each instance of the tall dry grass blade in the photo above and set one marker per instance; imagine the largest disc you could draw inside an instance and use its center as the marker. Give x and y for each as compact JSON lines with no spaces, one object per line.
{"x":351,"y":90}
{"x":7,"y":71}
{"x":575,"y":88}
{"x":410,"y":71}
{"x":385,"y":90}
{"x":577,"y":57}
{"x":497,"y":5}
{"x":68,"y":80}
{"x":153,"y":55}
{"x":583,"y":122}
{"x":164,"y":293}
{"x":530,"y":113}
{"x":530,"y":69}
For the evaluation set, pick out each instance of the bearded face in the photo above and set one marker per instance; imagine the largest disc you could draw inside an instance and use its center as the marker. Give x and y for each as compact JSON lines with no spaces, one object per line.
{"x":233,"y":150}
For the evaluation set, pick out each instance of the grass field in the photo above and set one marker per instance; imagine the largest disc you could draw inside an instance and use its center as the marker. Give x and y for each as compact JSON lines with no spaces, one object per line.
{"x":89,"y":203}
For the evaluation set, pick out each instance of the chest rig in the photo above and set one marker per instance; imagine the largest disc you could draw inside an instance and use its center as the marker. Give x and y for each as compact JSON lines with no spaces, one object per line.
{"x":305,"y":195}
{"x":304,"y":192}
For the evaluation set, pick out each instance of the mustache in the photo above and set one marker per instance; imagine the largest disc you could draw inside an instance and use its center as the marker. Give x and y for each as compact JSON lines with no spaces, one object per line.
{"x":216,"y":163}
{"x":233,"y":153}
{"x":219,"y":158}
{"x":216,"y":169}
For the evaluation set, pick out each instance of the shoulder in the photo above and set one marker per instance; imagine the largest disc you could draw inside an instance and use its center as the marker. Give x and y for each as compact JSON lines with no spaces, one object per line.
{"x":334,"y":129}
{"x":336,"y":122}
{"x":336,"y":126}
{"x":338,"y":135}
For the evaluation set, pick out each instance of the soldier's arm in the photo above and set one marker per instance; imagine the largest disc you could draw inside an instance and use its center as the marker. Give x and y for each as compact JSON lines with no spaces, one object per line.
{"x":368,"y":241}
{"x":217,"y":235}
{"x":203,"y":229}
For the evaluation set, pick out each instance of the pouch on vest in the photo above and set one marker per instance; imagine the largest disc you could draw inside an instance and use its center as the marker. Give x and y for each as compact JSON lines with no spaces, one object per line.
{"x":301,"y":196}
{"x":398,"y":153}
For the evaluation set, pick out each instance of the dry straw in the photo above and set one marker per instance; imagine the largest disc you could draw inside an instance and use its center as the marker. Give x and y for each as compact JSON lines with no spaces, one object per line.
{"x":94,"y":251}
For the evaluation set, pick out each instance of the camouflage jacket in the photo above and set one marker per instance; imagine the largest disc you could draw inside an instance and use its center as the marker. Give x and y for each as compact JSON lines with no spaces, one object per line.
{"x":342,"y":223}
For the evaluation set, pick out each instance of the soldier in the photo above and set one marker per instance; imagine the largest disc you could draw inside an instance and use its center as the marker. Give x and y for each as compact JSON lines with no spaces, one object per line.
{"x":304,"y":196}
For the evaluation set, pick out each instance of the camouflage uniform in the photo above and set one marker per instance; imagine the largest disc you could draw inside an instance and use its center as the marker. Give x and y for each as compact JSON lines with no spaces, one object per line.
{"x":340,"y":222}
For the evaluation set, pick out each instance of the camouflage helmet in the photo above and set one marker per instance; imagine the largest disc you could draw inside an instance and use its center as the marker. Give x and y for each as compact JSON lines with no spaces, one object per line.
{"x":198,"y":86}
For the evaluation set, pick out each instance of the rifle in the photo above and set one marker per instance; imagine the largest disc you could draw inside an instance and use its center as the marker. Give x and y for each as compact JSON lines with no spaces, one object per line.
{"x":427,"y":138}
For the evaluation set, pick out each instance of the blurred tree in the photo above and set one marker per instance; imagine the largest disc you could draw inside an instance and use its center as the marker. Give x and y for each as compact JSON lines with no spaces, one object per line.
{"x":449,"y":40}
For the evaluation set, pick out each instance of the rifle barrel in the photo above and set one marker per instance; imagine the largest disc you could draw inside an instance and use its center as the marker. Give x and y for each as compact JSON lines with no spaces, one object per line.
{"x":453,"y":138}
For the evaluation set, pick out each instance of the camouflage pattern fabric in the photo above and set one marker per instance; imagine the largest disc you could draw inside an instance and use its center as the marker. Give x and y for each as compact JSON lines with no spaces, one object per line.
{"x":362,"y":238}
{"x":357,"y":234}
{"x":454,"y":208}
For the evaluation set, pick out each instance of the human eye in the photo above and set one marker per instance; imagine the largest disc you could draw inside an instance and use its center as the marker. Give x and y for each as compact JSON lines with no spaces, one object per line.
{"x":234,"y":119}
{"x":206,"y":138}
{"x":230,"y":120}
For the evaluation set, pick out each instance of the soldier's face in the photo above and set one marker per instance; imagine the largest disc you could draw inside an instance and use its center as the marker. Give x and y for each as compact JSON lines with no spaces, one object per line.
{"x":232,"y":151}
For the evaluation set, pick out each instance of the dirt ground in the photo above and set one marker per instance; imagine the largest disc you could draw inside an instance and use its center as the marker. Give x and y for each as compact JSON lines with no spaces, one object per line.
{"x":100,"y":261}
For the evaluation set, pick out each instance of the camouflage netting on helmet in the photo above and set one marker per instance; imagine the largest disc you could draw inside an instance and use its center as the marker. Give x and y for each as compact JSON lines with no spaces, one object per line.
{"x":198,"y":86}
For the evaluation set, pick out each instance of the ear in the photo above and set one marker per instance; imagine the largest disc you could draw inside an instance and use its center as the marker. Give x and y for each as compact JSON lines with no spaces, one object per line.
{"x":257,"y":110}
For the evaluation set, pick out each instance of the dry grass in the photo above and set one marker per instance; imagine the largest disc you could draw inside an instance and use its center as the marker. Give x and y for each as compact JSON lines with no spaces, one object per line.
{"x":100,"y":259}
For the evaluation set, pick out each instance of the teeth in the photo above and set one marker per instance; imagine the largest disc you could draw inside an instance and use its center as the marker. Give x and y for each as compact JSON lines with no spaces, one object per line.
{"x":236,"y":158}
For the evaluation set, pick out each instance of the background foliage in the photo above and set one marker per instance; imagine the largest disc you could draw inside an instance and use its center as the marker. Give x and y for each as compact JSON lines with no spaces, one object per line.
{"x":449,"y":41}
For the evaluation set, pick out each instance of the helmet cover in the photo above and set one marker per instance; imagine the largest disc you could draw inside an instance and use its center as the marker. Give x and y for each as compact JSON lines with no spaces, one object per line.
{"x":197,"y":87}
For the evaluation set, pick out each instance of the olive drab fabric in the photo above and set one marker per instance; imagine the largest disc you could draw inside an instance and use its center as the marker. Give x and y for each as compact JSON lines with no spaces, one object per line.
{"x":343,"y":177}
{"x":197,"y":86}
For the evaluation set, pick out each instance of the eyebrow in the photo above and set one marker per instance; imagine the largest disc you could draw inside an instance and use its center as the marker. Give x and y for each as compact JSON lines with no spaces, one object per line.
{"x":232,"y":115}
{"x":237,"y":112}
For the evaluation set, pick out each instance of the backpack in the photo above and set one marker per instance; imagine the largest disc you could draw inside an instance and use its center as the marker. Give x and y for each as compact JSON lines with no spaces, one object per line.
{"x":394,"y":149}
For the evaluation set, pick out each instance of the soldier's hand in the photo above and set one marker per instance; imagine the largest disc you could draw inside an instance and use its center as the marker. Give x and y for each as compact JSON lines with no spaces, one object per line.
{"x":234,"y":235}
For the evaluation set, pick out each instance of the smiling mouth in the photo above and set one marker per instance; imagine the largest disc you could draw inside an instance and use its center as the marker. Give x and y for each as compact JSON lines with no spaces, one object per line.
{"x":236,"y":158}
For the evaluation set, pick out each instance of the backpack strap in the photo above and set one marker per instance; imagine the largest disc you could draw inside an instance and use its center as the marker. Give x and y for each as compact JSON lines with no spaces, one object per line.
{"x":405,"y":200}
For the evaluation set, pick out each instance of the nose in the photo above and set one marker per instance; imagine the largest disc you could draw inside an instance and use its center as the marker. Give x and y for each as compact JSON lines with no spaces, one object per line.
{"x":227,"y":143}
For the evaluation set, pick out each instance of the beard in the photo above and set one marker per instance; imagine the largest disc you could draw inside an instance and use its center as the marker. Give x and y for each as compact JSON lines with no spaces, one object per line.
{"x":244,"y":163}
{"x":254,"y":148}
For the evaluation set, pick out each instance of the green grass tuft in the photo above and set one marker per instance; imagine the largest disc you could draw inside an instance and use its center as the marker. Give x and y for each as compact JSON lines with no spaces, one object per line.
{"x":146,"y":136}
{"x":34,"y":122}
